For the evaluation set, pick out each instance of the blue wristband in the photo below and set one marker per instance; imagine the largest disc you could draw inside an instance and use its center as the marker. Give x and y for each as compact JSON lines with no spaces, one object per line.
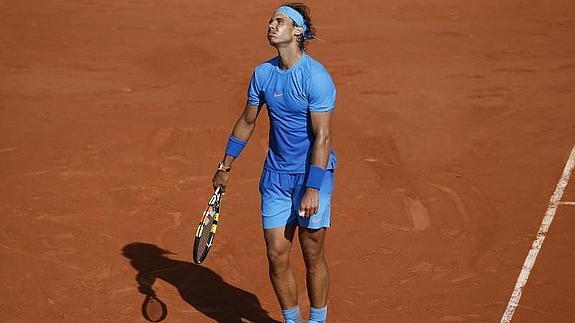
{"x":235,"y":146}
{"x":315,"y":177}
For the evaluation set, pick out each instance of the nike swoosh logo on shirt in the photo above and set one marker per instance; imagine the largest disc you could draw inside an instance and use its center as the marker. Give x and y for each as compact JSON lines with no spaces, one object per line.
{"x":277,"y":95}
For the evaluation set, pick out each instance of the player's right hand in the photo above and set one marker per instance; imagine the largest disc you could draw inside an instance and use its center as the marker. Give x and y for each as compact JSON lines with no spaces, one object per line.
{"x":220,"y":179}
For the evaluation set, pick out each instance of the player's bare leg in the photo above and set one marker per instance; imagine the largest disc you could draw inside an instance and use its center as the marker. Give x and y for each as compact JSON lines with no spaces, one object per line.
{"x":317,"y":275}
{"x":278,"y":243}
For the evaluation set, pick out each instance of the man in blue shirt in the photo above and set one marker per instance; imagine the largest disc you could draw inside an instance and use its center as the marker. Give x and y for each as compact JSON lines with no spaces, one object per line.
{"x":297,"y":179}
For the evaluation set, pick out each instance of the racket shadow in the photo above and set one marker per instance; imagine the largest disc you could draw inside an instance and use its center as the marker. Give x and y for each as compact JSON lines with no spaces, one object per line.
{"x":199,"y":286}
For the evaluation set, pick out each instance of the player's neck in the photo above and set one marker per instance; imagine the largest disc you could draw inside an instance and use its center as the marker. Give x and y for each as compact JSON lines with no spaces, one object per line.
{"x":289,"y":56}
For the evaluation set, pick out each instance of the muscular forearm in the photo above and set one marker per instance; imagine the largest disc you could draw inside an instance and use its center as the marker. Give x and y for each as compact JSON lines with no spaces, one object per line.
{"x":319,"y":157}
{"x":321,"y":149}
{"x":242,"y":130}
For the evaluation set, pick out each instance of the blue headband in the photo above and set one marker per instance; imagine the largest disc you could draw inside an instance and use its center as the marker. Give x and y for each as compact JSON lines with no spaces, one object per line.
{"x":295,"y":16}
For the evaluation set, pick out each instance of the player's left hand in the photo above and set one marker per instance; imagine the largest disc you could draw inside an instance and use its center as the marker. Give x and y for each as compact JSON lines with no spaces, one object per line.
{"x":309,"y":202}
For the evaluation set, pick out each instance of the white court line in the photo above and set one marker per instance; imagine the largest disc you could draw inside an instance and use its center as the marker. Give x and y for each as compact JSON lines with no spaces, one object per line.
{"x":536,"y":246}
{"x":566,"y":203}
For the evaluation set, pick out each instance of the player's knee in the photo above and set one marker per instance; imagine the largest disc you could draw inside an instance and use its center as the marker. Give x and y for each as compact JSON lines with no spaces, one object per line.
{"x":313,"y":256}
{"x":278,"y":258}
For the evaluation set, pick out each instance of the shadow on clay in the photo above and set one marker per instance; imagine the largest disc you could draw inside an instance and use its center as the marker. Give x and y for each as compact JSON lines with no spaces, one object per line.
{"x":199,"y":286}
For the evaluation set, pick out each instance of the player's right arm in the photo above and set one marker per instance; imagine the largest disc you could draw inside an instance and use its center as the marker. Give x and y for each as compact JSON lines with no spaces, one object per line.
{"x":243,"y":129}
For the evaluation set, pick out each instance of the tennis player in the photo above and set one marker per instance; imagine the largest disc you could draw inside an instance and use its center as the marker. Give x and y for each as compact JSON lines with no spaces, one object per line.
{"x":297,"y":178}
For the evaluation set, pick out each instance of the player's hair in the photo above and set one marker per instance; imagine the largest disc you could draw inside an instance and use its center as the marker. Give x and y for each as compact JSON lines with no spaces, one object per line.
{"x":305,"y":12}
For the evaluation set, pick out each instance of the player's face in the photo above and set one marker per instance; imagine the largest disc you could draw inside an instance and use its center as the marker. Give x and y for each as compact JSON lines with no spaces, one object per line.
{"x":281,"y":30}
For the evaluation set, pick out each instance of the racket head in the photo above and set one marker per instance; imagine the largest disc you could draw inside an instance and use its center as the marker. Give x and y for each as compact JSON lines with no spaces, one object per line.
{"x":206,"y":230}
{"x":153,"y":309}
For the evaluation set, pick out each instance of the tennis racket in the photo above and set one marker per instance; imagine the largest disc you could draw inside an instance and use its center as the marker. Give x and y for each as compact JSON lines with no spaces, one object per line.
{"x":207,"y":228}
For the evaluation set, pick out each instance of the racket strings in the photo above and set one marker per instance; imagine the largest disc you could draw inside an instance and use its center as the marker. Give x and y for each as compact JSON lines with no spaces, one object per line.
{"x":204,"y":240}
{"x":204,"y":237}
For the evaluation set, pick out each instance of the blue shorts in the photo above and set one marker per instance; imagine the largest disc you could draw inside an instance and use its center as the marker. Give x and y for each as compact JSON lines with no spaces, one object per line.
{"x":281,"y":196}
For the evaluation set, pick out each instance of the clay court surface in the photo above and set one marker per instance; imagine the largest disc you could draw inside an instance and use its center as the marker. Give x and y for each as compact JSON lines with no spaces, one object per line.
{"x":454,"y":122}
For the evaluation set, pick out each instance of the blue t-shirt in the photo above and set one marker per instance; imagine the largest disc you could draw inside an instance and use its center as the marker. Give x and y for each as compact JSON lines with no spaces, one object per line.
{"x":290,"y":96}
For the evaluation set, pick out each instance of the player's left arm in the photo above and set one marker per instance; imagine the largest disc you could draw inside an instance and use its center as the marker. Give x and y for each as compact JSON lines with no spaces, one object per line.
{"x":321,"y":127}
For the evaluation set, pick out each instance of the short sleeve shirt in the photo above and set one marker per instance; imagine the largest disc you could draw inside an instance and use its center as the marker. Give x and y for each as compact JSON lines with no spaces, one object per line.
{"x":291,"y":96}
